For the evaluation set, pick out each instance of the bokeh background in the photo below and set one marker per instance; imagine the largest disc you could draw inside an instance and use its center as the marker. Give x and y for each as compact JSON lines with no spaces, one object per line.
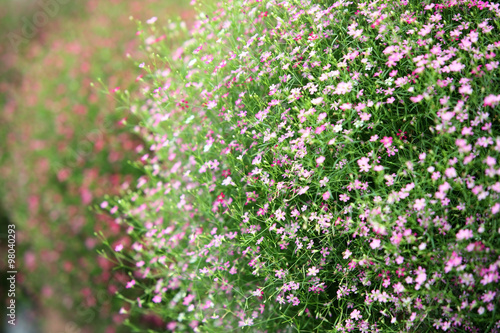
{"x":65,"y":146}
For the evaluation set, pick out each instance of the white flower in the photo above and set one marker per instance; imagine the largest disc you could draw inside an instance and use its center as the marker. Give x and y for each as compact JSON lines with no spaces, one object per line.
{"x":358,"y":123}
{"x":337,"y":128}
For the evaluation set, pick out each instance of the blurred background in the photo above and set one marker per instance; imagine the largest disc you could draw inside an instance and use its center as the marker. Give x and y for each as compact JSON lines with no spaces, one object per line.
{"x":64,"y":146}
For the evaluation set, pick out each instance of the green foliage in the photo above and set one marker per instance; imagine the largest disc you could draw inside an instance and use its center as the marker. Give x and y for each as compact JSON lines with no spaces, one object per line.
{"x":310,"y":169}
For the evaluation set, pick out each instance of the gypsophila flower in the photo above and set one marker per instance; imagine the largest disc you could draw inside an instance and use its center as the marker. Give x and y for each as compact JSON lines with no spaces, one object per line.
{"x":344,"y":197}
{"x":312,"y":271}
{"x":366,"y":159}
{"x":419,"y":204}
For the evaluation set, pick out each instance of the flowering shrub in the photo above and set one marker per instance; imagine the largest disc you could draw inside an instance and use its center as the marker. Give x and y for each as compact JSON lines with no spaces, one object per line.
{"x":319,"y":166}
{"x":66,"y":148}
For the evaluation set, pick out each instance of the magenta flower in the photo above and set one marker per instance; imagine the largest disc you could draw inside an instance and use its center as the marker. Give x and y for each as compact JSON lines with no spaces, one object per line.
{"x":387,"y":141}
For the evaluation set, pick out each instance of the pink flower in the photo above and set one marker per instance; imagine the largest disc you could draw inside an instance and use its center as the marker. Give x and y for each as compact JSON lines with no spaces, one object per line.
{"x":419,"y":204}
{"x":363,"y":164}
{"x":489,"y":296}
{"x":344,"y":197}
{"x":444,"y":100}
{"x":375,"y":244}
{"x":312,"y":271}
{"x":450,"y":173}
{"x":211,"y":105}
{"x":491,"y":100}
{"x":317,"y":101}
{"x":464,"y":234}
{"x":495,"y":209}
{"x":303,"y":190}
{"x":365,"y":116}
{"x":280,"y":273}
{"x":320,"y":129}
{"x":454,"y":261}
{"x":320,"y":160}
{"x":416,"y":99}
{"x":398,"y":287}
{"x":220,"y":197}
{"x":157,"y":299}
{"x":356,"y":314}
{"x":326,"y":196}
{"x":490,"y":161}
{"x":387,"y":141}
{"x":346,"y":106}
{"x":421,"y":275}
{"x":280,"y":215}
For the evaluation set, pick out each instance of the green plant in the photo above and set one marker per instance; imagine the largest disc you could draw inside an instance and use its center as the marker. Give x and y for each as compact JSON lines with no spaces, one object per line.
{"x":309,"y":168}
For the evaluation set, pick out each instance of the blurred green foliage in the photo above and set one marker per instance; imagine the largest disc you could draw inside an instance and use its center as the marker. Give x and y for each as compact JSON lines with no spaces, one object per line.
{"x":64,"y":146}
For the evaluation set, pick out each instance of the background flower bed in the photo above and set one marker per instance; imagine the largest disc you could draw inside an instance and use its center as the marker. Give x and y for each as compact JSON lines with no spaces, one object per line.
{"x":64,"y":147}
{"x":310,"y":168}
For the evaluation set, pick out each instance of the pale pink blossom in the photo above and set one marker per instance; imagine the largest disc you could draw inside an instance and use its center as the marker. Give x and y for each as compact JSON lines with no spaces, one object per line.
{"x":356,"y":314}
{"x":375,"y":244}
{"x":320,"y":160}
{"x":419,"y":204}
{"x":491,"y":100}
{"x":464,"y":234}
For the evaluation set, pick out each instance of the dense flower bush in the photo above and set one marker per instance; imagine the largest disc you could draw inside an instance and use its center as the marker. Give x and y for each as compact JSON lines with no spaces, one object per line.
{"x":65,"y":148}
{"x":316,"y":166}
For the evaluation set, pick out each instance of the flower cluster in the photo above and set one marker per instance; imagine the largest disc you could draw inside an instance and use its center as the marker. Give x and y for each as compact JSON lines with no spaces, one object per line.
{"x":329,"y":222}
